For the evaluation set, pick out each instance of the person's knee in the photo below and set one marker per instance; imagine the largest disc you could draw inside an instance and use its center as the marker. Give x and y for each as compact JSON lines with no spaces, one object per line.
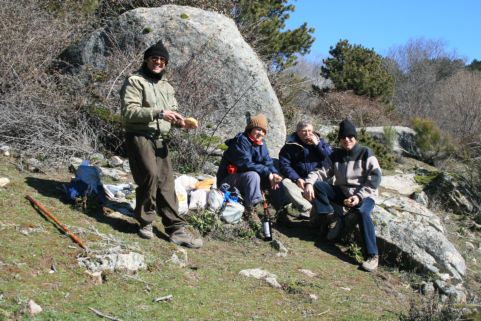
{"x":321,"y":187}
{"x":253,"y":177}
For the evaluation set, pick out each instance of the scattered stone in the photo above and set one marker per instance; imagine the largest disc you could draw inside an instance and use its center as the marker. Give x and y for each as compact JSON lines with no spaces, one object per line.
{"x":309,"y":273}
{"x":276,"y":244}
{"x":260,"y":274}
{"x":126,"y":166}
{"x":113,"y":260}
{"x":420,"y":197}
{"x":95,"y":277}
{"x":33,"y":308}
{"x":97,"y":158}
{"x":345,"y":289}
{"x":313,"y":297}
{"x":5,"y":150}
{"x":164,"y":298}
{"x":470,"y":246}
{"x":33,"y":165}
{"x":458,"y":293}
{"x":113,"y":173}
{"x":427,"y":288}
{"x":273,"y":282}
{"x":115,"y":161}
{"x":179,"y":257}
{"x":4,"y":181}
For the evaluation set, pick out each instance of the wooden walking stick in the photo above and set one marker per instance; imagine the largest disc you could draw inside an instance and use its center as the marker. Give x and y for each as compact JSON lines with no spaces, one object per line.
{"x":44,"y":211}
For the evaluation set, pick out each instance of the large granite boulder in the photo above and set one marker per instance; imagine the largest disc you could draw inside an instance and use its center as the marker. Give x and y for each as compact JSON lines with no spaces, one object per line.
{"x":208,"y":56}
{"x":418,"y":232}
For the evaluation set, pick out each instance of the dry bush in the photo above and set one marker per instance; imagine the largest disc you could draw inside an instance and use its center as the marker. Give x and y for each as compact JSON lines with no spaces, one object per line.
{"x":36,"y":116}
{"x":336,"y":106}
{"x":457,"y":106}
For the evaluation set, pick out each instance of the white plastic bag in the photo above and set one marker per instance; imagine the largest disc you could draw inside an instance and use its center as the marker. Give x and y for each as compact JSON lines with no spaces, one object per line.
{"x":198,"y":199}
{"x":232,"y":212}
{"x":188,"y":182}
{"x":181,"y":197}
{"x":215,"y":199}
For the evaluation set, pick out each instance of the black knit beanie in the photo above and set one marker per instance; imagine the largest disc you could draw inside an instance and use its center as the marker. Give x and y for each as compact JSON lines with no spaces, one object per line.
{"x":158,"y":50}
{"x":346,"y":129}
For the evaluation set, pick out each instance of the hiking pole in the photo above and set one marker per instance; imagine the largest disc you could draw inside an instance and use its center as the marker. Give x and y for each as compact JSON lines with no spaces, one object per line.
{"x":266,"y":221}
{"x":53,"y":218}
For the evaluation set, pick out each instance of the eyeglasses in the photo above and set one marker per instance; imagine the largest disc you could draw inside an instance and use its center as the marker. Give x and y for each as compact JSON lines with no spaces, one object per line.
{"x":348,"y":137}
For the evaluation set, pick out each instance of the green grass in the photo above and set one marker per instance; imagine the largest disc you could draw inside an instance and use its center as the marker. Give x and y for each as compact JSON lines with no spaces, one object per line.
{"x":209,"y":288}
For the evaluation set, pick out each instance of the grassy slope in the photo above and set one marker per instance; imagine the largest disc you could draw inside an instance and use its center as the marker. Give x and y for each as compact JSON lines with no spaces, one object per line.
{"x":210,"y":288}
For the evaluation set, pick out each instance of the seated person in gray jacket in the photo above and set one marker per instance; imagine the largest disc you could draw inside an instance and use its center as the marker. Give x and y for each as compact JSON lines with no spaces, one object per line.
{"x":357,"y":177}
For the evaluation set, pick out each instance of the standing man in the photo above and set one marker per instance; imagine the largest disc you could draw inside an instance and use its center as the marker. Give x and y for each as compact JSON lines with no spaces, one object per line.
{"x":357,"y":178}
{"x":148,"y":111}
{"x":303,"y":152}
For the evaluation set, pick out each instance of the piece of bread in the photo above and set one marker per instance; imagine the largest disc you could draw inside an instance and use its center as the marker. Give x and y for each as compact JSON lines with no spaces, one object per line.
{"x":192,"y":122}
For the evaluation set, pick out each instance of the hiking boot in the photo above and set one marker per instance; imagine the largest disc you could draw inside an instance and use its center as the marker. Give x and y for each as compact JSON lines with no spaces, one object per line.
{"x":250,"y":215}
{"x":333,"y":228}
{"x":146,"y":231}
{"x":305,"y":215}
{"x":371,"y":263}
{"x":184,"y":237}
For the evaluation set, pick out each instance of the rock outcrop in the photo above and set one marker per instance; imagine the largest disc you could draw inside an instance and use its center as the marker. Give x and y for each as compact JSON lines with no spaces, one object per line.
{"x":418,"y":232}
{"x":203,"y":45}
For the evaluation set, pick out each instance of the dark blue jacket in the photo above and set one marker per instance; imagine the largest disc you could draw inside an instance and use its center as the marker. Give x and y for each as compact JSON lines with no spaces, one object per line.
{"x":297,"y":160}
{"x":246,"y":156}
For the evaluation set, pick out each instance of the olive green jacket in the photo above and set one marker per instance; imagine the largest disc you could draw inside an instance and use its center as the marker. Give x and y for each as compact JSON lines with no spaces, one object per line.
{"x":142,"y":99}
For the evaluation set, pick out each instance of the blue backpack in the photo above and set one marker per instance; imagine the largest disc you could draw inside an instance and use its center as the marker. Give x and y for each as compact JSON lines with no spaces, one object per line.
{"x":85,"y":183}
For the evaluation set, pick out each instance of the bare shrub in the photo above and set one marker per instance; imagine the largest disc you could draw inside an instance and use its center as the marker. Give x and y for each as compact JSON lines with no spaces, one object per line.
{"x":432,"y":310}
{"x":457,"y":105}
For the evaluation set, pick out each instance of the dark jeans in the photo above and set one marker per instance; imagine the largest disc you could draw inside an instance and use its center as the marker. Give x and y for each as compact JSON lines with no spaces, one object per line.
{"x":152,"y":171}
{"x":329,"y":197}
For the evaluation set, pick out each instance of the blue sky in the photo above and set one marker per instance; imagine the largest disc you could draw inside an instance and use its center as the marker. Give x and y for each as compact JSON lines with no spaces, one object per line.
{"x":382,"y":24}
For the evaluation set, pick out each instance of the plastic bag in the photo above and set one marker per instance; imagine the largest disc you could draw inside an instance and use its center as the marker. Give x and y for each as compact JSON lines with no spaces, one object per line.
{"x":215,"y":199}
{"x":198,"y":199}
{"x":181,"y":197}
{"x":231,"y":212}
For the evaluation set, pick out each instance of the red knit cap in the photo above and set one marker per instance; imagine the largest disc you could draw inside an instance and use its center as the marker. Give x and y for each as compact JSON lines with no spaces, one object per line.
{"x":259,"y":121}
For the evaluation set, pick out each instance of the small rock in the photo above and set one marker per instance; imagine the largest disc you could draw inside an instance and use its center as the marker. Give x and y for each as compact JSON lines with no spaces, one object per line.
{"x":113,"y":173}
{"x":33,"y":164}
{"x":427,"y":288}
{"x":280,"y":248}
{"x":309,"y":273}
{"x":345,"y":289}
{"x":96,"y":158}
{"x":179,"y":257}
{"x":126,"y":166}
{"x":5,"y":150}
{"x":262,"y":275}
{"x":115,"y":161}
{"x":34,"y":308}
{"x":313,"y":297}
{"x":273,"y":282}
{"x":95,"y":277}
{"x":470,"y":246}
{"x":4,"y":181}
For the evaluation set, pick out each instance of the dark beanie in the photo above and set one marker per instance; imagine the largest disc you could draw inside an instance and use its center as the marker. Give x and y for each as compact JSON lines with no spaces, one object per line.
{"x":158,"y":50}
{"x":346,"y":128}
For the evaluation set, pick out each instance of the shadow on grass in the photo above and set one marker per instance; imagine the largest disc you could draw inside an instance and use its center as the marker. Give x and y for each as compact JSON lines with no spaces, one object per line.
{"x":54,"y":189}
{"x":302,"y":230}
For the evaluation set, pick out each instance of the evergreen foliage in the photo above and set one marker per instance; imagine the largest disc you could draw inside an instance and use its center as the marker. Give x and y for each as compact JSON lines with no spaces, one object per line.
{"x":261,"y":23}
{"x":353,"y":67}
{"x":474,"y":65}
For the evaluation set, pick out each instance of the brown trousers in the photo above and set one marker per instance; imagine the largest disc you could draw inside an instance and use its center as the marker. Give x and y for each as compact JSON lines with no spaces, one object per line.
{"x":152,"y":171}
